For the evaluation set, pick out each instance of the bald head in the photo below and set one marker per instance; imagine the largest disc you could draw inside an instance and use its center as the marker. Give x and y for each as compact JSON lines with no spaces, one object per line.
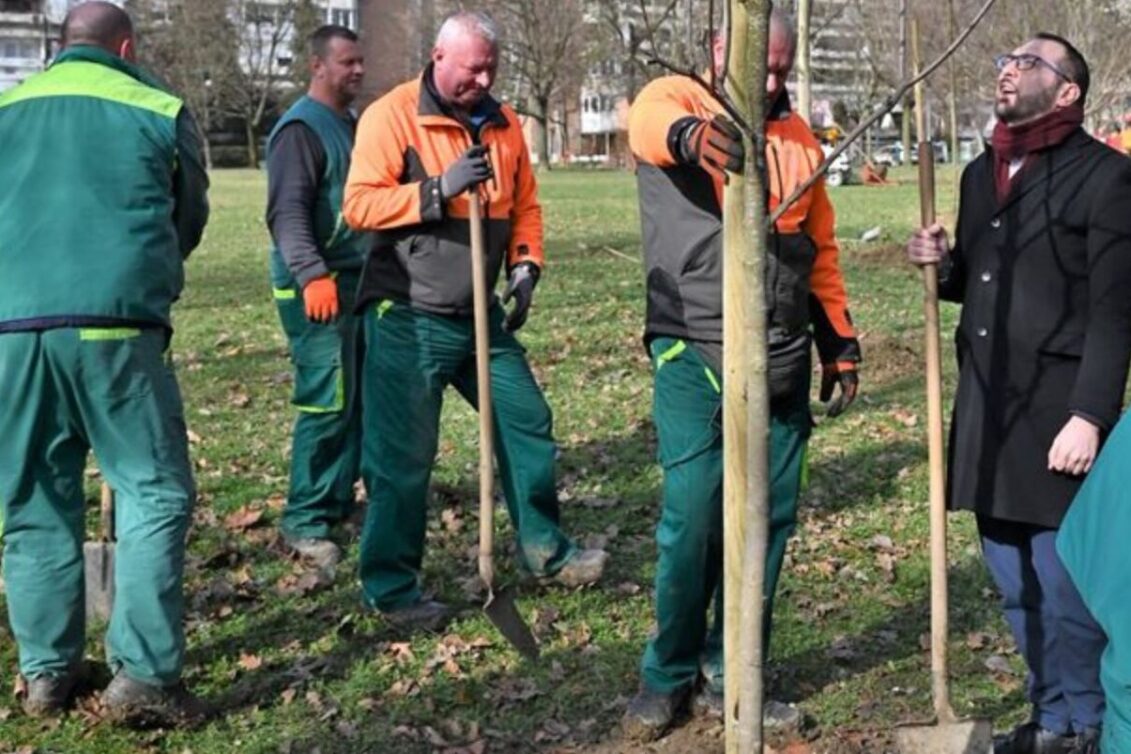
{"x":781,"y":45}
{"x":99,"y":24}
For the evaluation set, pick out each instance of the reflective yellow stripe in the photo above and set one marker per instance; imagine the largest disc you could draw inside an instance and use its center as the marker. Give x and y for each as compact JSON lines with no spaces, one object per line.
{"x":108,"y":333}
{"x":79,"y":78}
{"x":714,"y":381}
{"x":383,"y":307}
{"x":283,"y":294}
{"x":339,"y":399}
{"x":670,"y":354}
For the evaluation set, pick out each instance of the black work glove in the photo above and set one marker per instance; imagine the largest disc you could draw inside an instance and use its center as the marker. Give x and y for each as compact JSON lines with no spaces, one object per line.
{"x":466,"y":172}
{"x":520,"y":287}
{"x":843,"y":375}
{"x":714,"y":145}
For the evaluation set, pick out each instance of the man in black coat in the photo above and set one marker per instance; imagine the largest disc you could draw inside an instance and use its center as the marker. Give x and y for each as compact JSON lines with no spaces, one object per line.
{"x":1042,"y":268}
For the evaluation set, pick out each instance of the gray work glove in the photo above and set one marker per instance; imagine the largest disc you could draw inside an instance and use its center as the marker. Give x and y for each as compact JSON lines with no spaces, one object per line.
{"x":520,"y":287}
{"x":466,"y":172}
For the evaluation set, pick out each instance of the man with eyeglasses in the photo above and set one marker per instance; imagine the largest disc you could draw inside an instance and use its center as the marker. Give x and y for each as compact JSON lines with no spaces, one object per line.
{"x":1042,"y":267}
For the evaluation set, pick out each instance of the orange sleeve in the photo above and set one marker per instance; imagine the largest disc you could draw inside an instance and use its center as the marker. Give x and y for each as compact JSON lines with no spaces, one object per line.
{"x":526,"y":213}
{"x":374,"y":197}
{"x":826,"y":280}
{"x":658,"y":106}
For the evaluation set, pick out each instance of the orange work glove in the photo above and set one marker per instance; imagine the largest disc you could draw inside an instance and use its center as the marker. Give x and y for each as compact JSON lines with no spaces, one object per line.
{"x":321,"y":299}
{"x":714,"y":145}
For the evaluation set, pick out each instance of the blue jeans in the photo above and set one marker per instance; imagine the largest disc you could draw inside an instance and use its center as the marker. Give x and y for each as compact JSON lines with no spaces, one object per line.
{"x":1054,"y":631}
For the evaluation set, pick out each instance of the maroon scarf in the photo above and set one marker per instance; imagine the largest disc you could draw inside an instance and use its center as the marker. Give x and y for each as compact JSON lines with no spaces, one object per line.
{"x":1019,"y":142}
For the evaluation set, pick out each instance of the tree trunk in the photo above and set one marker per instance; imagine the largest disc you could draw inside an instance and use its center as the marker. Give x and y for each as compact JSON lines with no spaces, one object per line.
{"x":542,"y":121}
{"x":802,"y":64}
{"x":746,"y":422}
{"x":252,"y":144}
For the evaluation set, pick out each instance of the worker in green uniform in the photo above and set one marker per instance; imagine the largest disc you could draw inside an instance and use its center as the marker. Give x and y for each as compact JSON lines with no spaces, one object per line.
{"x":684,"y":146}
{"x":315,"y":262}
{"x":102,"y":196}
{"x":420,"y":149}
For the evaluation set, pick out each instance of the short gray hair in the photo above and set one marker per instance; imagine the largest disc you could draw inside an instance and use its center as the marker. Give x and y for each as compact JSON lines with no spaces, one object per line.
{"x":474,"y":21}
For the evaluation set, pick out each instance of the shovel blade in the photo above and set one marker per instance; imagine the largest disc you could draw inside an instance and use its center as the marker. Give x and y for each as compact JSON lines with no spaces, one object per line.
{"x":98,"y":568}
{"x":503,"y":613}
{"x":956,"y":737}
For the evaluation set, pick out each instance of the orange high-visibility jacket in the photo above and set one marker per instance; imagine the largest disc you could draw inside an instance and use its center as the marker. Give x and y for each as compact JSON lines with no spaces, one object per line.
{"x":405,"y":142}
{"x":682,"y":228}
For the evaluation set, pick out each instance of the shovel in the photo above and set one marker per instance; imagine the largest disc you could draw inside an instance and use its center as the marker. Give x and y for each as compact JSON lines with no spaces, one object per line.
{"x":948,"y":734}
{"x":98,"y":562}
{"x":499,"y":608}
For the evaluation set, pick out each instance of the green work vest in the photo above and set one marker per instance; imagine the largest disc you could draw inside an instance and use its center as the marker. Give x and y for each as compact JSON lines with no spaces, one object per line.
{"x":342,"y":248}
{"x":88,"y":152}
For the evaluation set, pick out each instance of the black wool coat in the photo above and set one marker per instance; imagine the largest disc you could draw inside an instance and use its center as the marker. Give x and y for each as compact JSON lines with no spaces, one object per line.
{"x":1044,"y":280}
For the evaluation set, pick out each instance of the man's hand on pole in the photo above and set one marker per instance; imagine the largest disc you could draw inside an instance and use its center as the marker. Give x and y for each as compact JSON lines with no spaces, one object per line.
{"x":928,"y":246}
{"x":467,"y":172}
{"x":1074,"y":450}
{"x":320,"y":298}
{"x":843,"y":374}
{"x":520,"y":286}
{"x":714,"y":145}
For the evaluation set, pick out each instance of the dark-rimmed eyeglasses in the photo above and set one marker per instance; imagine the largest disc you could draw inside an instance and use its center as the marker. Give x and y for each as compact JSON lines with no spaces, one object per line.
{"x":1027,"y":61}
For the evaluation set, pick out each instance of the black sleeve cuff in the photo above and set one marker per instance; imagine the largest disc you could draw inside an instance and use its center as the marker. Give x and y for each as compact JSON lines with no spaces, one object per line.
{"x":1101,"y":424}
{"x":431,"y":200}
{"x":832,"y":347}
{"x":676,"y":135}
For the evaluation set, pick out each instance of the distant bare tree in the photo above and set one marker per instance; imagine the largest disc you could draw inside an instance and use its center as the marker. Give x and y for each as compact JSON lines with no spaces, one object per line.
{"x":544,"y":50}
{"x":263,"y":31}
{"x":636,"y":33}
{"x":192,"y":46}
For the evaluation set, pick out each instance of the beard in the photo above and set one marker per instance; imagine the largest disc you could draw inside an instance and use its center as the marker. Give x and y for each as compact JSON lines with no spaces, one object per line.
{"x":1026,"y":107}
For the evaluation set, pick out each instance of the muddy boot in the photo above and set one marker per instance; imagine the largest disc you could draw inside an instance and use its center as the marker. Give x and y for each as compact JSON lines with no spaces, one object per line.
{"x":585,"y":567}
{"x":48,"y":694}
{"x":134,"y":704}
{"x":426,"y":615}
{"x":651,"y":713}
{"x":1031,"y":738}
{"x":1088,"y":742}
{"x":321,"y":553}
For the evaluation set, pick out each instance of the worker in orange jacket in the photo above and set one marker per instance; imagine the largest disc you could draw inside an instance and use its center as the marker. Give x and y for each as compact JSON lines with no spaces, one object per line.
{"x":419,"y":150}
{"x":684,"y":145}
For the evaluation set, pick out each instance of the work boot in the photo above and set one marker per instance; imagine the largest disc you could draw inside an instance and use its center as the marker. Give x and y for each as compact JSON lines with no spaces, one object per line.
{"x":142,"y":705}
{"x":776,"y":716}
{"x":651,"y":713}
{"x":321,"y":553}
{"x":1031,"y":738}
{"x":48,"y":694}
{"x":1087,"y":742}
{"x":426,"y":615}
{"x":585,"y":567}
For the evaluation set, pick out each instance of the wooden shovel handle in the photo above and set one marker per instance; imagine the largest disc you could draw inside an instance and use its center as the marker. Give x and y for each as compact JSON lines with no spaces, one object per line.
{"x":935,"y":448}
{"x":106,"y":513}
{"x":483,"y":377}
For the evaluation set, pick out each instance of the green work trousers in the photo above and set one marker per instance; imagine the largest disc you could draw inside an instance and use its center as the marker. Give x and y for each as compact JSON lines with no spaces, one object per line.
{"x":411,"y":357}
{"x":687,"y":410}
{"x":326,"y":442}
{"x":65,"y":392}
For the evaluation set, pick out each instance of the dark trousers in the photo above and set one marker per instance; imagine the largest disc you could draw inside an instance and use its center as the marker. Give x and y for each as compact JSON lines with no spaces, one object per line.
{"x":1054,"y":631}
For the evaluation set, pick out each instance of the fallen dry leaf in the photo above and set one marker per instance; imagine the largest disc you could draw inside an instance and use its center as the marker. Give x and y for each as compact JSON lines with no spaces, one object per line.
{"x":250,"y":661}
{"x":244,"y":518}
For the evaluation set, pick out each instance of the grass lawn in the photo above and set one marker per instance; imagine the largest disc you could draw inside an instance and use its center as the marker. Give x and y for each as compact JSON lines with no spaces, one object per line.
{"x":299,"y":666}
